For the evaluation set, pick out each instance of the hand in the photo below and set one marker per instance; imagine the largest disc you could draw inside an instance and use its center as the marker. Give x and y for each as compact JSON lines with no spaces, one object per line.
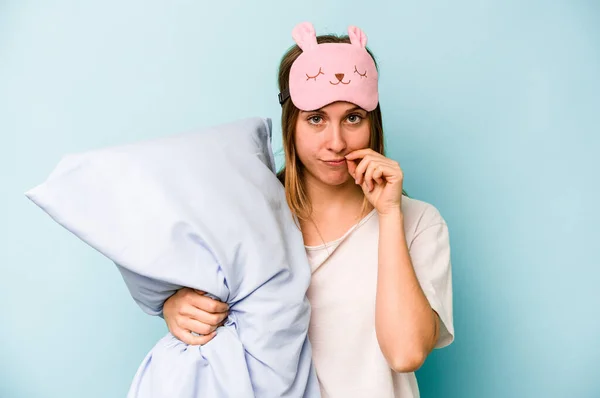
{"x":190,"y":310}
{"x":379,"y":177}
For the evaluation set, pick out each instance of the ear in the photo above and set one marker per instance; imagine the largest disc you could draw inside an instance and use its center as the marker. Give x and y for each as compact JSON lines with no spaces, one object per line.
{"x":304,"y":35}
{"x":357,"y":36}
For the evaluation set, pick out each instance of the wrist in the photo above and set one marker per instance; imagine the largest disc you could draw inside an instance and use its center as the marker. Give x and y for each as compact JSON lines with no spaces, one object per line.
{"x":392,"y":213}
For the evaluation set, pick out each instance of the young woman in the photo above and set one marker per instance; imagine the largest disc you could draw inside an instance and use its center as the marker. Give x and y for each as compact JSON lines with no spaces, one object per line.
{"x":381,"y":290}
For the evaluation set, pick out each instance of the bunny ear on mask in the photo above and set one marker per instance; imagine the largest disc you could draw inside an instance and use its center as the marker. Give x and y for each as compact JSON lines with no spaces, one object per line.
{"x":304,"y":35}
{"x":329,"y":72}
{"x":357,"y":36}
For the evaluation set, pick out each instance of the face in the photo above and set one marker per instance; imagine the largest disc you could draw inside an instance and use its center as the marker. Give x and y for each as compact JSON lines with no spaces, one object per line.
{"x":323,"y":137}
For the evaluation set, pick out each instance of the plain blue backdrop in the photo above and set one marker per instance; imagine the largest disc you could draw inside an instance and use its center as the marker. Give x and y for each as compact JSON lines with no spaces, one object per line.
{"x":491,"y":108}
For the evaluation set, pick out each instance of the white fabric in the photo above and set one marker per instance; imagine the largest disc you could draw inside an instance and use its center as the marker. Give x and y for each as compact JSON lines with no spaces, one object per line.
{"x":203,"y":210}
{"x":346,"y":354}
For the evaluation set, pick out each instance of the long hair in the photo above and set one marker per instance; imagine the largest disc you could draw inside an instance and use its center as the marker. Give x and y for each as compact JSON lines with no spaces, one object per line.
{"x":291,"y":173}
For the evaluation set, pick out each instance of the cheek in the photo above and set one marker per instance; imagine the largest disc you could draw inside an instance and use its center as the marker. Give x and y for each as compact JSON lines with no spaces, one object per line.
{"x":304,"y":147}
{"x":302,"y":153}
{"x":361,"y":138}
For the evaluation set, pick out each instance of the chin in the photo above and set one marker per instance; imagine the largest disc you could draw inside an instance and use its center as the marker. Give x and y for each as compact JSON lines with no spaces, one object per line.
{"x":329,"y":177}
{"x":335,"y":180}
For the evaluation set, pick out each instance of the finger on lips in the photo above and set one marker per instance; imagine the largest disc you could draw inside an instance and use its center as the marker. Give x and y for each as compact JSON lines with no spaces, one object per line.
{"x":369,"y":167}
{"x":359,"y":153}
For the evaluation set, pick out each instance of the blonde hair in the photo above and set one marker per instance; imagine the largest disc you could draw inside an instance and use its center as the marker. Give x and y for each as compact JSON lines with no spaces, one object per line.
{"x":291,"y":174}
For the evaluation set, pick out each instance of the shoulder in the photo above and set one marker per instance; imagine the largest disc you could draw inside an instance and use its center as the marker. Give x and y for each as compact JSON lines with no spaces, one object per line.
{"x":419,"y":215}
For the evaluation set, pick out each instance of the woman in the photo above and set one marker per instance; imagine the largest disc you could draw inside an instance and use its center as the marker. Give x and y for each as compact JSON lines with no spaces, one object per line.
{"x":381,"y":290}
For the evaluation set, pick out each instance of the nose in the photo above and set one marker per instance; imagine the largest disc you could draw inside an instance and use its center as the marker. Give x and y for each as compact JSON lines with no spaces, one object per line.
{"x":335,"y":139}
{"x":339,"y":76}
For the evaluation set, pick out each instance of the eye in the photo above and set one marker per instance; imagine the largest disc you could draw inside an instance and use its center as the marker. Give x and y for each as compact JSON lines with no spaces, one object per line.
{"x":315,"y":76}
{"x":361,"y":74}
{"x":354,"y":118}
{"x":315,"y":119}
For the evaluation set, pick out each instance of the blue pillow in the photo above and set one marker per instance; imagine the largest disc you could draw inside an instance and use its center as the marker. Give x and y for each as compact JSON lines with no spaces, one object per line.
{"x":203,"y":210}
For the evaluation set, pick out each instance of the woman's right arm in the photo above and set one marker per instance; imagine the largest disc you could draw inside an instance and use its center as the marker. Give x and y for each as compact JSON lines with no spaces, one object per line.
{"x":189,"y":311}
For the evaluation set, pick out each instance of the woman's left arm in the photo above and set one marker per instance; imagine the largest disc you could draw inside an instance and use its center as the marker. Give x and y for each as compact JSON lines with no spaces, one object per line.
{"x":407,"y":327}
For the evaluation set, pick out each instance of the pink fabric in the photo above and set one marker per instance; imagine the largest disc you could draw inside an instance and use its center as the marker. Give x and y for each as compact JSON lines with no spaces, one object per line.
{"x":329,"y":72}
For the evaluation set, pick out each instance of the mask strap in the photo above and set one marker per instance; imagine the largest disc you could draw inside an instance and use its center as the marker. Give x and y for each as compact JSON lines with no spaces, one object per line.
{"x":283,"y":96}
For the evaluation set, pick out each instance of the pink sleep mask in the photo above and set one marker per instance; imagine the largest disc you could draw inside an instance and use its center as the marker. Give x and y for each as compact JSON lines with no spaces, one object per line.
{"x":329,"y":72}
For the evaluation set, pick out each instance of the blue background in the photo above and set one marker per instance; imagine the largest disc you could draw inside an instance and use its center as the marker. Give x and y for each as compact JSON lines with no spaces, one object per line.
{"x":491,"y":108}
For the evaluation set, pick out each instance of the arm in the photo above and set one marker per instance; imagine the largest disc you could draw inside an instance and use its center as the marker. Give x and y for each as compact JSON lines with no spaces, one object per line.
{"x":407,"y":327}
{"x":409,"y":285}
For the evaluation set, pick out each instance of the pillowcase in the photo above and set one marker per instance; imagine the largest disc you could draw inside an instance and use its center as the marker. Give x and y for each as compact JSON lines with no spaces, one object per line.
{"x":203,"y":210}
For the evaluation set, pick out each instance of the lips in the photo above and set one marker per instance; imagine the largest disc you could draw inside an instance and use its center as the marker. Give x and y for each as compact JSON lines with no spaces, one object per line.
{"x":335,"y":162}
